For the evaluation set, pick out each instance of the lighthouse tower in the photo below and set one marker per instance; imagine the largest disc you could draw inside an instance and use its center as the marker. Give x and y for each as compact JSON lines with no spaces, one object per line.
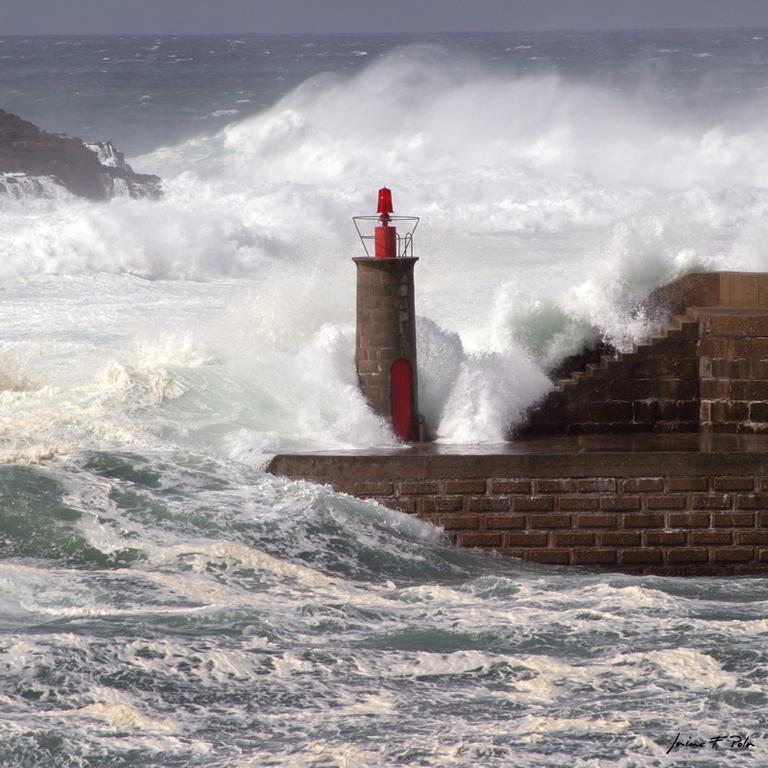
{"x":385,"y":353}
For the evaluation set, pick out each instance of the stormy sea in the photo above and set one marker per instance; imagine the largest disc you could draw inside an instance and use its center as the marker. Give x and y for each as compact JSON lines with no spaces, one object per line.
{"x":166,"y":602}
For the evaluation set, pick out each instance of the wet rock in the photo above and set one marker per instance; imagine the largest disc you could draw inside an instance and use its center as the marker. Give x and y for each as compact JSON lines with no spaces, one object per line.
{"x":97,"y":171}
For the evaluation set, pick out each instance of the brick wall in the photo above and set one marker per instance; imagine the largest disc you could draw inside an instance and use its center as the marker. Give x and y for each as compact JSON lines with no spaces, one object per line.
{"x":733,"y":372}
{"x":687,"y":519}
{"x":705,"y":372}
{"x":654,"y":388}
{"x":386,"y":330}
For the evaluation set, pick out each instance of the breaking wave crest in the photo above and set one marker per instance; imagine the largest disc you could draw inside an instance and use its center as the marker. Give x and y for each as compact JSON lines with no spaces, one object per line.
{"x":550,"y":207}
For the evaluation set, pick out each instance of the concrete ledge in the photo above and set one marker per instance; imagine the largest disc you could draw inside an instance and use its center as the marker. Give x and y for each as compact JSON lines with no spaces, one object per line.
{"x":329,"y":468}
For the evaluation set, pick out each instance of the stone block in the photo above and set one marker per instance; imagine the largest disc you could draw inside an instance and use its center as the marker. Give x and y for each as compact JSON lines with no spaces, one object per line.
{"x":747,"y":347}
{"x":525,"y":539}
{"x":734,"y":483}
{"x":594,"y":556}
{"x":642,"y":484}
{"x":550,"y":521}
{"x":688,"y":555}
{"x":687,"y":484}
{"x":418,"y":487}
{"x":510,"y":486}
{"x":442,"y":503}
{"x":730,"y":410}
{"x":714,"y":346}
{"x":758,"y":411}
{"x":574,"y":539}
{"x":742,"y":289}
{"x":643,"y":520}
{"x":733,"y":554}
{"x":578,"y":503}
{"x":633,"y":389}
{"x":752,"y":501}
{"x":737,"y":389}
{"x":666,"y":502}
{"x":665,"y":538}
{"x":506,"y":522}
{"x":610,"y":411}
{"x":620,"y":539}
{"x":597,"y":485}
{"x":533,"y":503}
{"x":619,"y":503}
{"x":751,"y":537}
{"x":554,"y":486}
{"x":711,"y":501}
{"x":596,"y":521}
{"x":733,"y":520}
{"x":640,"y":555}
{"x":729,"y":368}
{"x":480,"y":539}
{"x":646,"y":412}
{"x":711,"y":537}
{"x":374,"y":488}
{"x":756,"y":389}
{"x":488,"y":503}
{"x":689,"y":519}
{"x":459,"y":522}
{"x":738,"y":325}
{"x":465,"y":486}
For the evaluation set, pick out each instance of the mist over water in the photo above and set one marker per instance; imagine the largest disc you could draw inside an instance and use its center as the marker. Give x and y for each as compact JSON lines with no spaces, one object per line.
{"x":166,"y":603}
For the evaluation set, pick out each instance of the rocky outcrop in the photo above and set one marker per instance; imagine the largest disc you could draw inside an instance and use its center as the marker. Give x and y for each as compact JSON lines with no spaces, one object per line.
{"x":30,"y":157}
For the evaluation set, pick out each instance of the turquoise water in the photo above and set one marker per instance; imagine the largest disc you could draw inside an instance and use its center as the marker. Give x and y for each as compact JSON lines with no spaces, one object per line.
{"x":163,"y":600}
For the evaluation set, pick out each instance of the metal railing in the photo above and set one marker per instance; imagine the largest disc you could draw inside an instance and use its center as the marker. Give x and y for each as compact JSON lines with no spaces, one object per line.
{"x":404,"y":241}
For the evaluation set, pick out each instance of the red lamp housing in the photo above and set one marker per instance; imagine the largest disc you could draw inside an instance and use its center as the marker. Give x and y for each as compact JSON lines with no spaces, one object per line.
{"x":387,"y":242}
{"x":385,"y":201}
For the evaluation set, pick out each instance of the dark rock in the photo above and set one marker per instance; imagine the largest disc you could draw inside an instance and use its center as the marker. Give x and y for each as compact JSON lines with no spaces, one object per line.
{"x":96,"y":171}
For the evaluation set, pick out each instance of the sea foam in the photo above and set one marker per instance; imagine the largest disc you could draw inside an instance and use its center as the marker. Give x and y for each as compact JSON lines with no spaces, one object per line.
{"x":549,"y":207}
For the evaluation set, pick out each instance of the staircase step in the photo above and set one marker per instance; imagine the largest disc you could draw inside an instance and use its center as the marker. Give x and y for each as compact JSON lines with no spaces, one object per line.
{"x":595,"y":370}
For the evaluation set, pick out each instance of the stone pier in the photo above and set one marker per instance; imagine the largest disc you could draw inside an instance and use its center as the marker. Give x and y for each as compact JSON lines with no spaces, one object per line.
{"x":654,"y":460}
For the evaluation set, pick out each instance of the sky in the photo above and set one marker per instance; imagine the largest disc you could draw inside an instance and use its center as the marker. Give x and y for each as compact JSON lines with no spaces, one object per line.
{"x":72,"y":17}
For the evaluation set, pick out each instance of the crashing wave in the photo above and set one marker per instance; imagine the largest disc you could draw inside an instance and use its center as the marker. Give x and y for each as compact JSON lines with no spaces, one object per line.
{"x":19,"y":186}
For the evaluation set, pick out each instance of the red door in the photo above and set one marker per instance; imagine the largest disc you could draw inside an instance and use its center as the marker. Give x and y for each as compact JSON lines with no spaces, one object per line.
{"x":401,"y":376}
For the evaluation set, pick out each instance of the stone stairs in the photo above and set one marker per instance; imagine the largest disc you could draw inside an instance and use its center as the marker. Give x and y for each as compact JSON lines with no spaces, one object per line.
{"x":646,"y":389}
{"x":704,"y":370}
{"x":607,"y":362}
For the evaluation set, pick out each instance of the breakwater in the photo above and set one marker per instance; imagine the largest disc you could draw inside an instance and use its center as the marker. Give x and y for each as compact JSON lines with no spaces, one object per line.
{"x":664,"y":504}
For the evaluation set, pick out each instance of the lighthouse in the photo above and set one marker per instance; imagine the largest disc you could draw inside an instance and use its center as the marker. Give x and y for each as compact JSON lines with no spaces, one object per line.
{"x":385,"y":351}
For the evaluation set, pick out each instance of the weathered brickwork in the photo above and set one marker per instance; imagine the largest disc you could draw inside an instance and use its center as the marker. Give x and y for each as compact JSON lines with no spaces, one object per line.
{"x":733,"y":372}
{"x":705,"y":371}
{"x":703,"y":519}
{"x":654,"y":388}
{"x":386,"y":328}
{"x":610,"y":521}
